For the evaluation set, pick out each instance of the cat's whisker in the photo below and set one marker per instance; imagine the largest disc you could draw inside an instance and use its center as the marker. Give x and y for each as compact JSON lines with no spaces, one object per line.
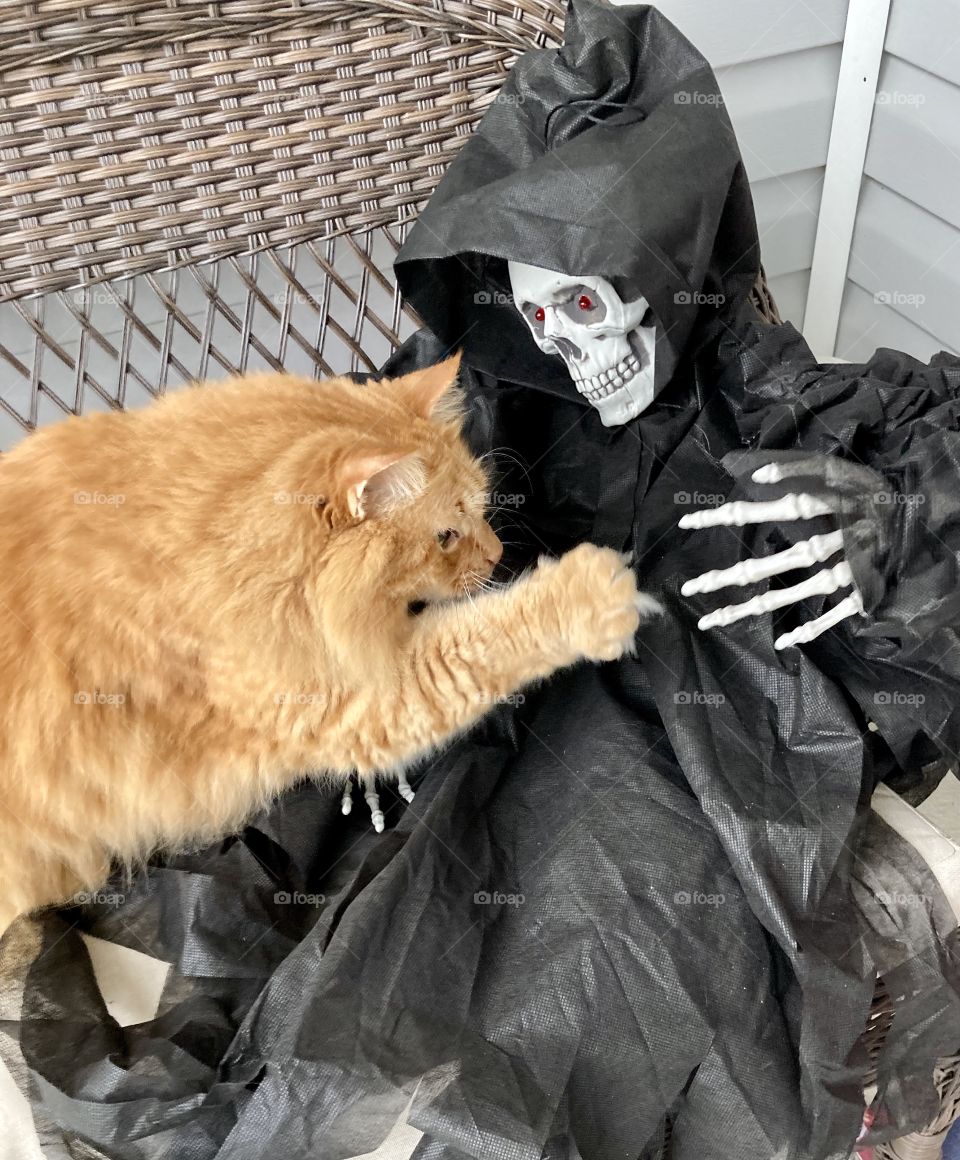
{"x":515,"y":511}
{"x":497,"y":511}
{"x":509,"y":526}
{"x":472,"y":590}
{"x":488,"y":584}
{"x":509,"y":455}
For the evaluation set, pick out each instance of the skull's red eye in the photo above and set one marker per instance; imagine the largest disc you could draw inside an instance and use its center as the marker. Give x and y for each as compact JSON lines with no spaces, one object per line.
{"x":585,"y":302}
{"x":539,"y":314}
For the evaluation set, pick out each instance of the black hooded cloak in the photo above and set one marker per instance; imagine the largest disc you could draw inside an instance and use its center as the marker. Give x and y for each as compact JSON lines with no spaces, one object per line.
{"x":652,"y":888}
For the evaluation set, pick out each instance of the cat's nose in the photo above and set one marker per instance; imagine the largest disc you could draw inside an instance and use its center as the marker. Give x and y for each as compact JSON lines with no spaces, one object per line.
{"x":493,"y":552}
{"x":488,"y":545}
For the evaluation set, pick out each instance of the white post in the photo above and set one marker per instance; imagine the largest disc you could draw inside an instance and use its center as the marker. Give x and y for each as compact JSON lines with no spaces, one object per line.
{"x":864,"y":39}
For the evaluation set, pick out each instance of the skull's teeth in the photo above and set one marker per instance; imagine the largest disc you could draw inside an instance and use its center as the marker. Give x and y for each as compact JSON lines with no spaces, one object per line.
{"x":608,"y":381}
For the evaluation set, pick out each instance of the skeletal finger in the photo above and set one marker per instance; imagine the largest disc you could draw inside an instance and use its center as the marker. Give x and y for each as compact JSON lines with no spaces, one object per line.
{"x":824,"y":583}
{"x":804,"y":555}
{"x":839,"y":475}
{"x":777,"y":472}
{"x":851,"y":605}
{"x":404,"y":788}
{"x":372,"y":798}
{"x":741,"y":512}
{"x":346,"y":801}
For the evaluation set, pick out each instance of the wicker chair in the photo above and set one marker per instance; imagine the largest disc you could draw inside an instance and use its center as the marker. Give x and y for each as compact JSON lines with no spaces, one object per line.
{"x":192,"y":189}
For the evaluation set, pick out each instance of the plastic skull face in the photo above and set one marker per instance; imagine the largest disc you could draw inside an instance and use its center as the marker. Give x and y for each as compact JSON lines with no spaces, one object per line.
{"x":609,"y":354}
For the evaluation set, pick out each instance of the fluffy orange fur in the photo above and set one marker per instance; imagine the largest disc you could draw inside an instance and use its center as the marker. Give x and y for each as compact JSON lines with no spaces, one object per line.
{"x":207,"y":599}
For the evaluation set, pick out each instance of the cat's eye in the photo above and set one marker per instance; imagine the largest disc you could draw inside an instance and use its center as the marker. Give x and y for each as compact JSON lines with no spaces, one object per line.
{"x":448,"y":537}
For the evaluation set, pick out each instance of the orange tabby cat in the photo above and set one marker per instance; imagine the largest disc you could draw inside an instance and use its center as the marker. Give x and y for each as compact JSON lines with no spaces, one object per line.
{"x":203,"y":600}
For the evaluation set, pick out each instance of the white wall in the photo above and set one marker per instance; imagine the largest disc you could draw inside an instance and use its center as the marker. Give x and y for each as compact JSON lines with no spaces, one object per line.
{"x":777,"y":62}
{"x":903,"y":282}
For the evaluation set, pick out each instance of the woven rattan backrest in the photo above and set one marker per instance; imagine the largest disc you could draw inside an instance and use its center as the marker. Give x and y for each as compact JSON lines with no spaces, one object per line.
{"x":137,"y":134}
{"x":187,"y":189}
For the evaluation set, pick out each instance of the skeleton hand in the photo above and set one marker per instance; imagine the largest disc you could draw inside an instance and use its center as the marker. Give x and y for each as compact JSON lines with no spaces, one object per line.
{"x":372,"y":798}
{"x":817,"y":550}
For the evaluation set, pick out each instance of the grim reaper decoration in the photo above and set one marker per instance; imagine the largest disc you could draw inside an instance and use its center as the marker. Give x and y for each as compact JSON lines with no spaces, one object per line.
{"x":609,"y":348}
{"x":654,"y":890}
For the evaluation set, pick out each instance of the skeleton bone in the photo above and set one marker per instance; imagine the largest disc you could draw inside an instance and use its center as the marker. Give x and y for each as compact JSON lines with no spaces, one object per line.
{"x":851,"y":605}
{"x":824,"y":583}
{"x":372,"y":798}
{"x":805,"y":554}
{"x":608,"y":352}
{"x":743,"y":512}
{"x":816,"y":550}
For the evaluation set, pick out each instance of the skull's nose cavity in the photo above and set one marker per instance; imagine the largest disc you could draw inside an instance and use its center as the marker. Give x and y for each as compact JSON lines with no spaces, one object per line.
{"x":566,"y":348}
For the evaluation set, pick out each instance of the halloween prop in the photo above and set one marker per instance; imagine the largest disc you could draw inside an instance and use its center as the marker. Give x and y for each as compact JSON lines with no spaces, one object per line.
{"x":816,"y":550}
{"x":650,"y":891}
{"x":372,"y":798}
{"x":601,"y":338}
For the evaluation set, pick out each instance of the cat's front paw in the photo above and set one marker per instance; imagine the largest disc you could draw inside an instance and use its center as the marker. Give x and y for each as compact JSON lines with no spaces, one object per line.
{"x":600,"y":606}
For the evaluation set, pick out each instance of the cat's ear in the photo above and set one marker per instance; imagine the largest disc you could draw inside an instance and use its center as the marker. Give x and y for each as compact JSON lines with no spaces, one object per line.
{"x":431,"y":392}
{"x":374,"y":483}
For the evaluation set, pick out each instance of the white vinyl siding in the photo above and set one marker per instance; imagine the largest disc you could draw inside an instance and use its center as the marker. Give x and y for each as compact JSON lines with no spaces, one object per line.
{"x":730,"y":32}
{"x":778,"y":68}
{"x":903,"y":282}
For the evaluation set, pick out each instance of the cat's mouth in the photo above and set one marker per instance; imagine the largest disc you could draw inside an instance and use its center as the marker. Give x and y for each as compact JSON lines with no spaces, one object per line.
{"x":415,"y":607}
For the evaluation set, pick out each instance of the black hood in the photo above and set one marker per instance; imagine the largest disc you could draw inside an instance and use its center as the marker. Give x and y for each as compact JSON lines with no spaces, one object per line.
{"x":611,"y":156}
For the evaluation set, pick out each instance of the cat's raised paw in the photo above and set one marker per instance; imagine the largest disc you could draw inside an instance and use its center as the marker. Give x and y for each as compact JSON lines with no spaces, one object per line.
{"x":601,"y":603}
